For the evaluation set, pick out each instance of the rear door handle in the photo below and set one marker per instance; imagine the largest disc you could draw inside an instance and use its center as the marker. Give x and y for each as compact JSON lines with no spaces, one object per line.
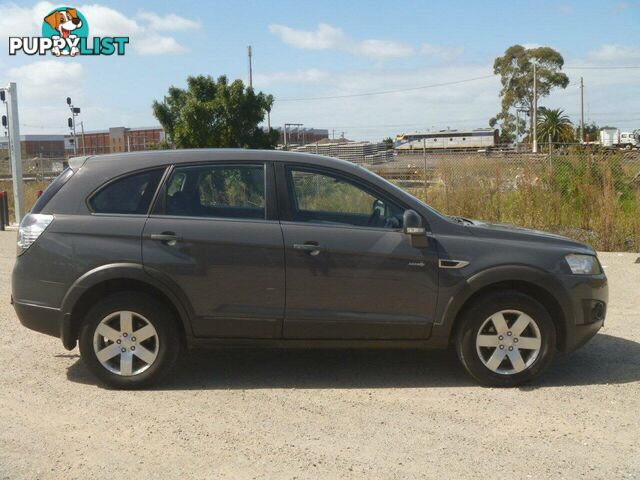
{"x":168,"y":238}
{"x":312,"y":248}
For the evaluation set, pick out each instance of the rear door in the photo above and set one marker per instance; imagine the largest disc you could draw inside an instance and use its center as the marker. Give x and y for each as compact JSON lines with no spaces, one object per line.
{"x":351,"y":271}
{"x":215,"y":236}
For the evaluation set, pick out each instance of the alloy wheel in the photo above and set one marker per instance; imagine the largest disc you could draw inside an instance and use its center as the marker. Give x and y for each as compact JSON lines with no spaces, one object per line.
{"x":508,"y":342}
{"x":126,"y":343}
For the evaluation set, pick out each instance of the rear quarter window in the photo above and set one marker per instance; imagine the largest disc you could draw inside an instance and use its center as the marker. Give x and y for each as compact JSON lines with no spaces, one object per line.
{"x":127,"y":195}
{"x":53,"y":188}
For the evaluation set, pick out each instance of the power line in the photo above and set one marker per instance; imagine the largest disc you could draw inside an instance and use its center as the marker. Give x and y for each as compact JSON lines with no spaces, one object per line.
{"x":385,"y":92}
{"x":611,"y":67}
{"x":444,"y":84}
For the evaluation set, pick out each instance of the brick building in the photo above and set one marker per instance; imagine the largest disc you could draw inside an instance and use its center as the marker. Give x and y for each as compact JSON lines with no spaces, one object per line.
{"x":32,"y":146}
{"x":118,"y":139}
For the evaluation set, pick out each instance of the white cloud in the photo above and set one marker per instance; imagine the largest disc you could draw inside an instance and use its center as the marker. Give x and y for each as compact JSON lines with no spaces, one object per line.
{"x":614,"y":53}
{"x":46,"y":79}
{"x":105,"y":21}
{"x":18,"y":21}
{"x":169,"y":22}
{"x":157,"y":45}
{"x":323,"y":38}
{"x":327,"y":37}
{"x":440,"y":51}
{"x":381,"y":49}
{"x":309,"y":76}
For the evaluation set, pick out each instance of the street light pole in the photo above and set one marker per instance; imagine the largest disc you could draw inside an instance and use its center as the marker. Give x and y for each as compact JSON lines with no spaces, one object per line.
{"x":75,"y":111}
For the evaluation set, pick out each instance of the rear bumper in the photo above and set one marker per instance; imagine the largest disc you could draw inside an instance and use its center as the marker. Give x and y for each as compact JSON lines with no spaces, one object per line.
{"x":45,"y":320}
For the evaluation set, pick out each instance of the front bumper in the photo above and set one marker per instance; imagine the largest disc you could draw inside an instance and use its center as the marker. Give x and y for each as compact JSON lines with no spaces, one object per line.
{"x":587,"y":297}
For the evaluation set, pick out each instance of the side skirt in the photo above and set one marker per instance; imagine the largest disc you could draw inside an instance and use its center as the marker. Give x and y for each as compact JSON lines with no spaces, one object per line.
{"x":198,"y":343}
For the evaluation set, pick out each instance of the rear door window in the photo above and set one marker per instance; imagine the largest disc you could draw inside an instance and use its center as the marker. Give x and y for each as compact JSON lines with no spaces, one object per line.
{"x":127,"y":195}
{"x":222,"y":191}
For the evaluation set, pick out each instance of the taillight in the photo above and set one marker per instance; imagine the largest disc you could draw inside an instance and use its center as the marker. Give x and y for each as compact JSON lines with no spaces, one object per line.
{"x":31,"y":227}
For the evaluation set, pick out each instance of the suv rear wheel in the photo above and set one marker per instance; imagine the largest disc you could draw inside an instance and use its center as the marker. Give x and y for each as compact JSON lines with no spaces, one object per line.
{"x":129,"y":340}
{"x":506,"y":339}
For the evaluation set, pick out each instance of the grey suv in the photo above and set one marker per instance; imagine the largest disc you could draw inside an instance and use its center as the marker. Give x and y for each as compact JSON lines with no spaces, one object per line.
{"x":140,"y":256}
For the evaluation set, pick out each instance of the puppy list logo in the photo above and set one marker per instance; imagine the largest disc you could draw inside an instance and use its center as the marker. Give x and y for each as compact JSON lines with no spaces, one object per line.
{"x":65,"y":32}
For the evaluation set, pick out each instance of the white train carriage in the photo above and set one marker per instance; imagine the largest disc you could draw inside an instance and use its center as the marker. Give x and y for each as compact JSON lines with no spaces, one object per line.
{"x":480,"y":138}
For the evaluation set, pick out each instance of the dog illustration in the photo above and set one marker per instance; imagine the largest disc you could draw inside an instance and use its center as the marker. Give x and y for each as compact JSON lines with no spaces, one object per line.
{"x":64,"y":22}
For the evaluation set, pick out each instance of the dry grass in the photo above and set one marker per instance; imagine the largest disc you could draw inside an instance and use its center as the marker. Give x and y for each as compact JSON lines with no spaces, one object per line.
{"x":592,"y":197}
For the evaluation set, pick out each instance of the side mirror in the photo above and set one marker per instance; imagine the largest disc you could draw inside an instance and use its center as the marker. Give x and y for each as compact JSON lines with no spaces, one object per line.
{"x":412,"y":223}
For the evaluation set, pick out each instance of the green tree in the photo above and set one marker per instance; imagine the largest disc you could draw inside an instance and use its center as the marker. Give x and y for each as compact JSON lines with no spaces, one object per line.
{"x":554,"y":124}
{"x":388,"y":143}
{"x":515,"y":68}
{"x":591,"y":132}
{"x":215,"y":113}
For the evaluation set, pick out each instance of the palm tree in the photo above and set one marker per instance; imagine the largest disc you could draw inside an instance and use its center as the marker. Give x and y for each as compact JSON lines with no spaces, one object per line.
{"x":554,"y":124}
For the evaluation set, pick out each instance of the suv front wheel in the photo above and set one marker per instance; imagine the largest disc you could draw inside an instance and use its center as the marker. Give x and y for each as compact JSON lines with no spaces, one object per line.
{"x":506,"y":339}
{"x":129,"y":340}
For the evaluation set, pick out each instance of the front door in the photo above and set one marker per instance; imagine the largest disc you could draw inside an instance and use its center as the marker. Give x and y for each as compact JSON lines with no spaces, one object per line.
{"x":351,"y":271}
{"x":212,"y":238}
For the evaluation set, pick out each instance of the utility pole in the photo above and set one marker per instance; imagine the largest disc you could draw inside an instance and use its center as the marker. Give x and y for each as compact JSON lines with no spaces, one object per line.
{"x":535,"y":110}
{"x":581,"y":110}
{"x":15,"y":150}
{"x":250,"y":68}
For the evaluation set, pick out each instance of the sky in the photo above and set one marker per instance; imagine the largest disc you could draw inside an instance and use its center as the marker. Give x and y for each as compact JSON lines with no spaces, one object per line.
{"x":306,"y":50}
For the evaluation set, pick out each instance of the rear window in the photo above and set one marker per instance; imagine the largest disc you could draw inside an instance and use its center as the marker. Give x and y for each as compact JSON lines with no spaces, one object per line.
{"x":128,"y":195}
{"x":51,"y":190}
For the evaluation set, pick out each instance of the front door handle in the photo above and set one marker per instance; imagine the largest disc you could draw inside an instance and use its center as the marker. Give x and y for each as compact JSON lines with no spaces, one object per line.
{"x":169,"y":238}
{"x":311,"y":248}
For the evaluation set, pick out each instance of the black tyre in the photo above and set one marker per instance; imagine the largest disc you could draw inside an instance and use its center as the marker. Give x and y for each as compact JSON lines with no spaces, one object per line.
{"x":130,"y":340}
{"x":506,"y":339}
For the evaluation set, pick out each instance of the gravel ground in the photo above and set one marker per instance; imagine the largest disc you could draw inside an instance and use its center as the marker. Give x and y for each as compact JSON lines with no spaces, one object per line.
{"x":324,"y":414}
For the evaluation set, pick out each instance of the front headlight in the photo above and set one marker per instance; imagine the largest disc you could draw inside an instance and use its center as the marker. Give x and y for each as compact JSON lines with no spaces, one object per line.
{"x":583,"y":264}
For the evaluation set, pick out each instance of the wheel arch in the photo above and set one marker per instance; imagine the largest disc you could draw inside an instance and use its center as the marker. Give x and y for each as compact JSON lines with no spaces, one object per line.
{"x":109,"y":279}
{"x":533,"y":282}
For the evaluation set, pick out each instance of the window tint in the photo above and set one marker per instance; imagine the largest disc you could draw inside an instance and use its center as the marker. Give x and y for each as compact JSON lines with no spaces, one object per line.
{"x":128,"y":195}
{"x":323,"y":198}
{"x":228,"y":191}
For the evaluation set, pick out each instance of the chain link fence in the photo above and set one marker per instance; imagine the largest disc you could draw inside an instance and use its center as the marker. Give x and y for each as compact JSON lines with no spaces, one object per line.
{"x":585,"y":193}
{"x":589,"y":194}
